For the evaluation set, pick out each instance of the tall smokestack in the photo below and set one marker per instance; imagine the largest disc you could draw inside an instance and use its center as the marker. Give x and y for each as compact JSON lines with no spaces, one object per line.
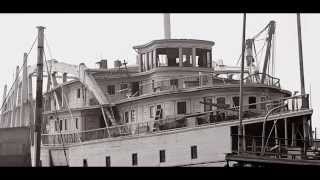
{"x":167,"y":28}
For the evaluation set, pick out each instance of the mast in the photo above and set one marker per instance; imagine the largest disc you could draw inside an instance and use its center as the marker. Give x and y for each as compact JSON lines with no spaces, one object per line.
{"x":38,"y":110}
{"x":304,"y":104}
{"x":240,"y":129}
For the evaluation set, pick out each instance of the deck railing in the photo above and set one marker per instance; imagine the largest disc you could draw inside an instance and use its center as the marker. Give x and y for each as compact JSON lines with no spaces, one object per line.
{"x":205,"y":80}
{"x":276,"y":147}
{"x":289,"y":104}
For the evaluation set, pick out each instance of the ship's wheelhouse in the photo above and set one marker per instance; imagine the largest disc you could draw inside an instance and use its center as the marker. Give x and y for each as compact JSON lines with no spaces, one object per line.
{"x":174,"y":53}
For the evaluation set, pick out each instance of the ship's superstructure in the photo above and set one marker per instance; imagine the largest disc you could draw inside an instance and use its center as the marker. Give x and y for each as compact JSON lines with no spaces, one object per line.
{"x":175,"y":107}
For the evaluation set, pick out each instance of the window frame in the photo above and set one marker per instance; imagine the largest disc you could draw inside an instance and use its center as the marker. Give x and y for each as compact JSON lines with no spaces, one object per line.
{"x":108,"y":161}
{"x":233,"y":104}
{"x":113,"y":90}
{"x":194,"y":152}
{"x":205,"y":105}
{"x":252,"y":106}
{"x":185,"y":102}
{"x":85,"y":162}
{"x":78,"y":93}
{"x":152,"y":111}
{"x":162,"y":156}
{"x":65,"y":124}
{"x":134,"y":158}
{"x":132,"y":115}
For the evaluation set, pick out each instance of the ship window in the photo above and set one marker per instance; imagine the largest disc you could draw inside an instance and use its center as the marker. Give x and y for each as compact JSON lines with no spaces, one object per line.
{"x":151,"y":111}
{"x":133,"y":115}
{"x":135,"y":88}
{"x":163,"y":60}
{"x":60,"y":124}
{"x":153,"y":87}
{"x":201,"y":57}
{"x":134,"y":159}
{"x":123,"y":86}
{"x":78,"y":93}
{"x":174,"y":83}
{"x":111,"y":89}
{"x":65,"y":124}
{"x":126,"y":117}
{"x":263,"y":105}
{"x":187,"y":57}
{"x":162,"y":154}
{"x":194,"y":153}
{"x":235,"y":101}
{"x":108,"y":161}
{"x":168,"y":56}
{"x":221,"y":101}
{"x":85,"y":163}
{"x":207,"y":107}
{"x":182,"y":107}
{"x":77,"y":126}
{"x":252,"y":100}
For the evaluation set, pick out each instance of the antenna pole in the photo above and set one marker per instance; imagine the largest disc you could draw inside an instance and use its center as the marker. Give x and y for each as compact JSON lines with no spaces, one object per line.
{"x":240,"y":129}
{"x":38,"y":110}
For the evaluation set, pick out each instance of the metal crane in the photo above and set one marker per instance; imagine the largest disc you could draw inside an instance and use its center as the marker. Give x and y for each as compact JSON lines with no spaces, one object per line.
{"x":250,"y":44}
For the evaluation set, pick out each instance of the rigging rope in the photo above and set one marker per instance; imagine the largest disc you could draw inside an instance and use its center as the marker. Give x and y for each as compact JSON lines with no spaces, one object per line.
{"x":14,"y":82}
{"x":56,"y":112}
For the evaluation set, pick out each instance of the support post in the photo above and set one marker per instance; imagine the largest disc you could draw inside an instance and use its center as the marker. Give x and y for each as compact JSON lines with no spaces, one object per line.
{"x":275,"y":131}
{"x":293,"y":135}
{"x":286,"y":132}
{"x":38,"y":110}
{"x":194,"y":57}
{"x":180,"y":58}
{"x":305,"y":133}
{"x":240,"y":130}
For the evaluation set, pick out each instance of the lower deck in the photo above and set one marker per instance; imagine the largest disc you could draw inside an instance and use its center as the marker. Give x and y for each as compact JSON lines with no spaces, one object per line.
{"x":204,"y":144}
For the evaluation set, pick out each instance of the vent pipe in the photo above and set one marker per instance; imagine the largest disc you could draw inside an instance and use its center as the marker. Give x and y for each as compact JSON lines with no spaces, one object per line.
{"x":167,"y":28}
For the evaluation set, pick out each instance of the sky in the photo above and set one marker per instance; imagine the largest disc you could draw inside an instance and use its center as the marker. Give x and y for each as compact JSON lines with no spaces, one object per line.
{"x":87,"y":38}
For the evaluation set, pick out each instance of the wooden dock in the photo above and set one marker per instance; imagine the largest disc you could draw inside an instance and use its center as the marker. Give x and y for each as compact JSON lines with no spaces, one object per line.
{"x":267,"y":161}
